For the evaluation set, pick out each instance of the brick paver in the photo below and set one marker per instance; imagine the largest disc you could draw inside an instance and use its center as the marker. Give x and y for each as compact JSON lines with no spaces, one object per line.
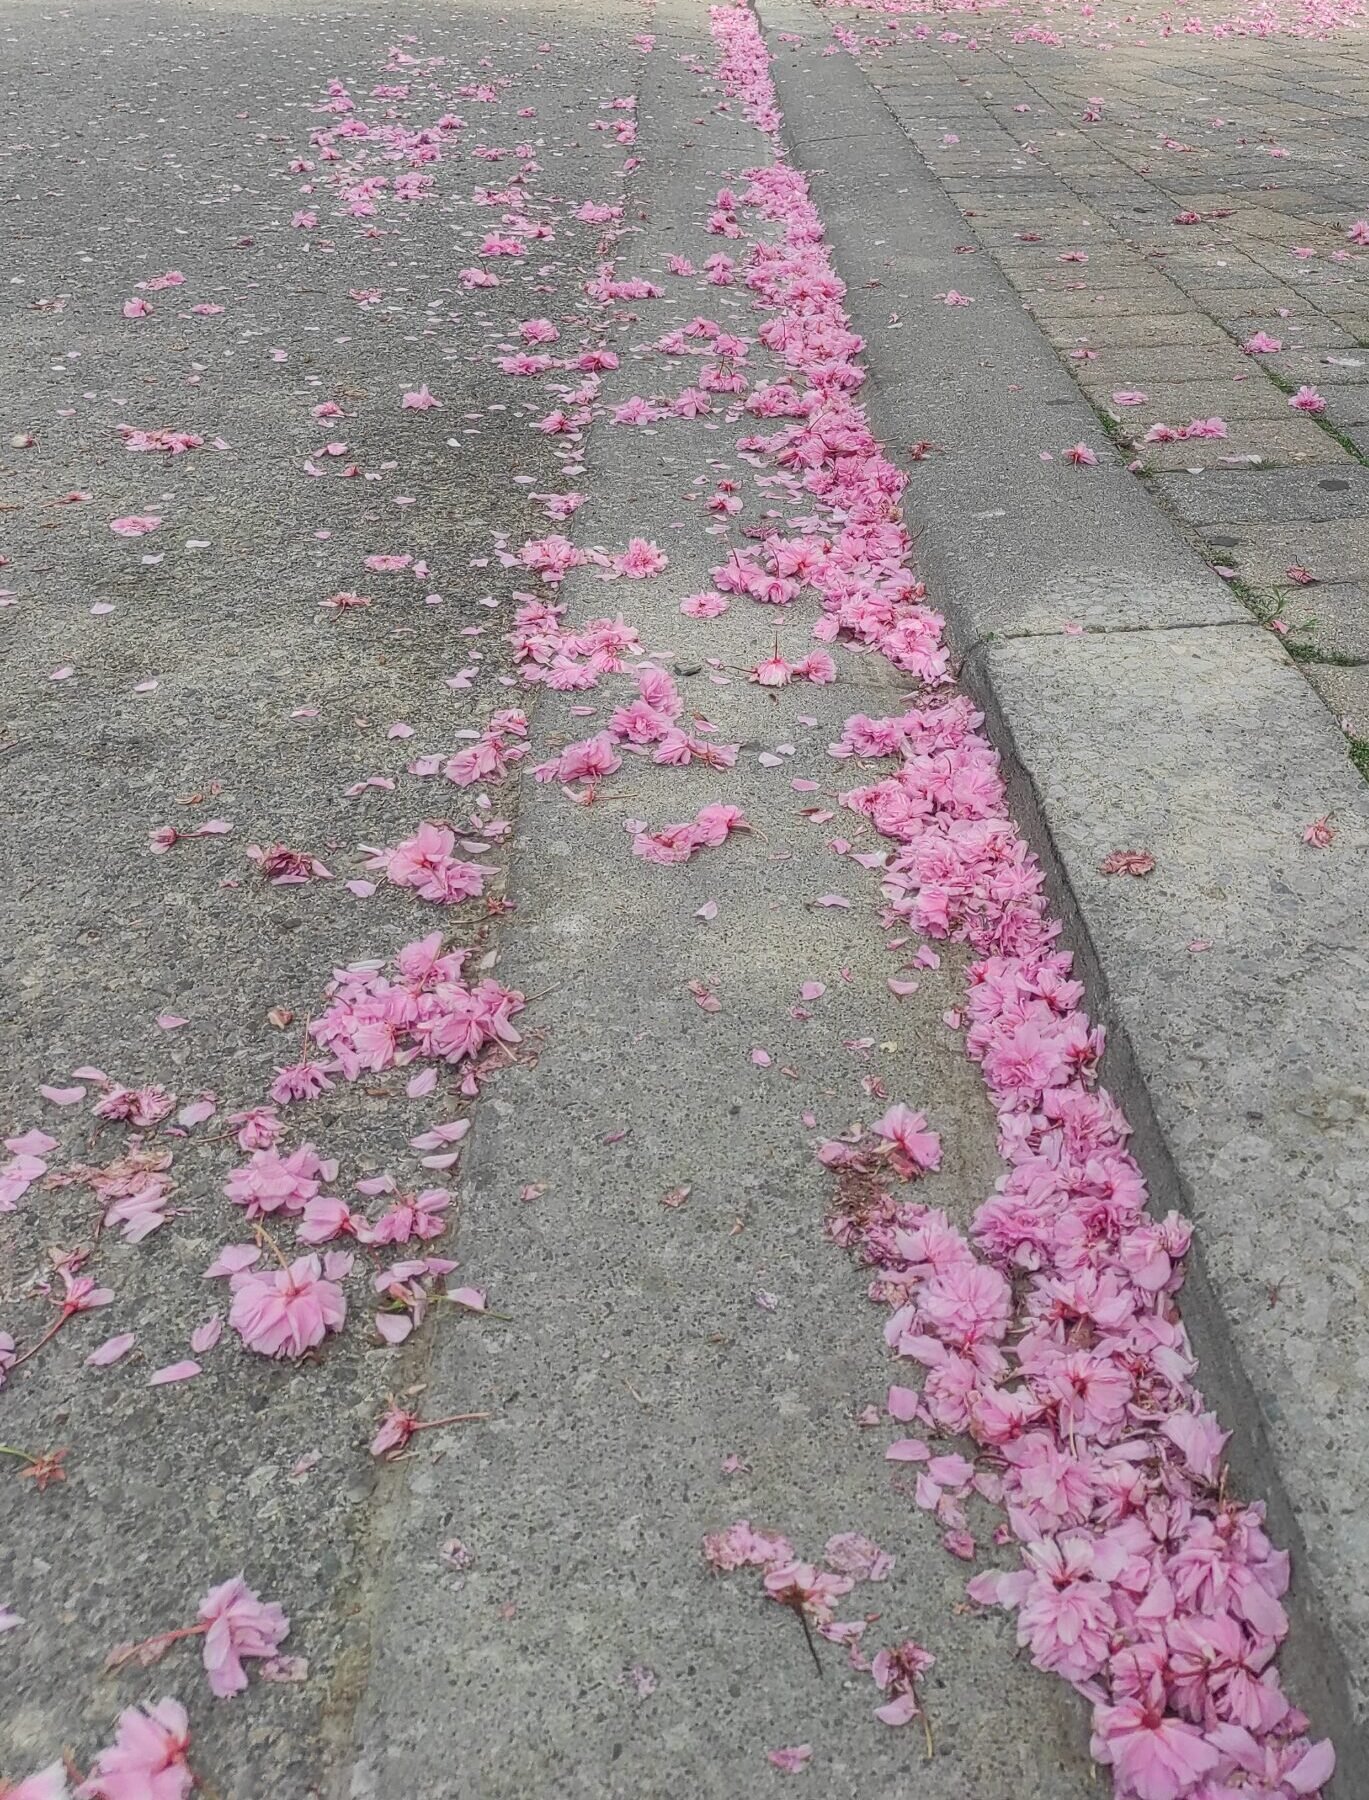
{"x":1075,"y":162}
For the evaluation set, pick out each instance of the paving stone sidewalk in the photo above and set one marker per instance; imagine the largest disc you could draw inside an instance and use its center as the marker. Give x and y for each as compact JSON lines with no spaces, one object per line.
{"x":1157,"y":201}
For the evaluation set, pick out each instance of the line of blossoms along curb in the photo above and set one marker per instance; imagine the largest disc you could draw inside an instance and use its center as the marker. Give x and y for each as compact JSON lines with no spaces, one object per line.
{"x":1053,"y":1339}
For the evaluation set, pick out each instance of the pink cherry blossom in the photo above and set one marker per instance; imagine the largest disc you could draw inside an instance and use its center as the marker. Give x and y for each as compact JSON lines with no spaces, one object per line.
{"x":304,"y":1080}
{"x":270,"y":1182}
{"x":1155,"y":1755}
{"x":284,"y":1312}
{"x":593,"y":758}
{"x":905,"y":1139}
{"x":641,"y":559}
{"x":741,"y":1545}
{"x":805,"y":1585}
{"x":240,"y":1624}
{"x":425,"y":863}
{"x":774,"y":671}
{"x":147,"y":1760}
{"x":677,"y":843}
{"x":896,"y":1672}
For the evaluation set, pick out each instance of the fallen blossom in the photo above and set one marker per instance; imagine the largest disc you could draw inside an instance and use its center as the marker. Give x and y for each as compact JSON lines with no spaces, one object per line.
{"x":907,"y":1143}
{"x":1127,"y":862}
{"x":239,"y":1624}
{"x":399,"y":1425}
{"x":147,"y":1760}
{"x":677,"y":843}
{"x":284,"y":1312}
{"x":792,"y":1760}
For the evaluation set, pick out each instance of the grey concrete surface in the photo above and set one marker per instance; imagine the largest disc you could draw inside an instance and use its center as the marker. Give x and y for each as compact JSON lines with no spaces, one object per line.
{"x":635,"y":1356}
{"x":1032,"y":544}
{"x":1207,"y":198}
{"x":585,"y":1650}
{"x":638,"y":1358}
{"x":1241,"y":1064}
{"x":142,"y":139}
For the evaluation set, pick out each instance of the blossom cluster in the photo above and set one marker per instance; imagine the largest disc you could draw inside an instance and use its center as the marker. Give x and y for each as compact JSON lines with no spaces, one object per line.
{"x":1049,"y":1335}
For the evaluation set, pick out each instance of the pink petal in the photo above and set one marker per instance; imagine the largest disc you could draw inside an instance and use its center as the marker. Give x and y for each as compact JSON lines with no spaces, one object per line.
{"x":63,"y":1096}
{"x":111,"y":1350}
{"x":907,"y":1450}
{"x":792,"y":1760}
{"x":897,"y":1711}
{"x":204,"y":1337}
{"x":177,"y":1371}
{"x":232,"y":1260}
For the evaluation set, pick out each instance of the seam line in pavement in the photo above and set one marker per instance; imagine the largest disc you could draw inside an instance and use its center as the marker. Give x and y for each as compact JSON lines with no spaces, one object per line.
{"x":989,"y":638}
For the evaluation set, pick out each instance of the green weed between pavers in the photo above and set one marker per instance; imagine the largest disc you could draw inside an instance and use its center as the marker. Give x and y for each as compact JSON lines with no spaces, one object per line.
{"x":1267,"y":606}
{"x":1313,"y":653}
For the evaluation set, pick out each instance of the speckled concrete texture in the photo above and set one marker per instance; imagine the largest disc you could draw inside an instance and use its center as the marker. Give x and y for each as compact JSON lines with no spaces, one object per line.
{"x":141,"y":139}
{"x":641,"y":1353}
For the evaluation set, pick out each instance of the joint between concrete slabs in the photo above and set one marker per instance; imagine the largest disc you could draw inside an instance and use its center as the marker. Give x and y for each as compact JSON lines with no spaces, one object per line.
{"x":990,"y":638}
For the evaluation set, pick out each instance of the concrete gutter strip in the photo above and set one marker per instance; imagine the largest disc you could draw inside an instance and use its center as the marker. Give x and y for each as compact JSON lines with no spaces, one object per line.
{"x":1177,"y":726}
{"x":635,"y":1352}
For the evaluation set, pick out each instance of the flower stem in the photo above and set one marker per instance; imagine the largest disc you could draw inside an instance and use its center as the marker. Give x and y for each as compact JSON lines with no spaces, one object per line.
{"x":49,"y":1334}
{"x":263,"y":1236}
{"x":808,"y":1634}
{"x":451,"y":1419}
